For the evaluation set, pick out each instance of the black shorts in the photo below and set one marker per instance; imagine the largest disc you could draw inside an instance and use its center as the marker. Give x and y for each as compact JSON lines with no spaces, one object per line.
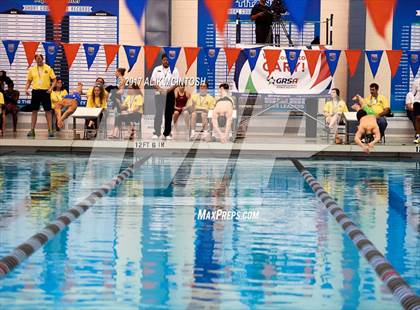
{"x":40,"y":96}
{"x":416,"y":108}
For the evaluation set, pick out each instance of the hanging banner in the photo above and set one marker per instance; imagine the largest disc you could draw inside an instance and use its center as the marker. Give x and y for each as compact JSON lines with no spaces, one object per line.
{"x":132,"y":53}
{"x":91,"y":50}
{"x":57,"y":9}
{"x":280,"y":80}
{"x":136,"y":8}
{"x":312,"y":57}
{"x":374,"y":59}
{"x":271,"y":57}
{"x":394,"y":59}
{"x":211,"y":56}
{"x":380,"y":12}
{"x":51,"y":50}
{"x":11,"y":47}
{"x":414,"y":61}
{"x":297,"y":10}
{"x":150,"y":55}
{"x":405,"y":25}
{"x":191,"y":54}
{"x":30,"y":50}
{"x":292,"y":59}
{"x":111,"y":51}
{"x":353,"y":57}
{"x":232,"y":54}
{"x":173,"y":54}
{"x":70,"y":49}
{"x":219,"y":12}
{"x":252,"y":55}
{"x":333,"y":56}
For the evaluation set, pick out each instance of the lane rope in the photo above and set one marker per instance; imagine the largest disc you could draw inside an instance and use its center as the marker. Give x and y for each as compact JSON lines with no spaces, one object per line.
{"x":386,"y":272}
{"x":26,"y":249}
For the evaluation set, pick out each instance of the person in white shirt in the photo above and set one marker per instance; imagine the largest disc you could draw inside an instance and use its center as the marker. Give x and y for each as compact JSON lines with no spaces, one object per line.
{"x":164,"y":82}
{"x":412,"y":105}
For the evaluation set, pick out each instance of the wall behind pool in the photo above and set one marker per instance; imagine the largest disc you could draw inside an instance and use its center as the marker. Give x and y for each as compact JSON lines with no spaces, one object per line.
{"x":185,"y":24}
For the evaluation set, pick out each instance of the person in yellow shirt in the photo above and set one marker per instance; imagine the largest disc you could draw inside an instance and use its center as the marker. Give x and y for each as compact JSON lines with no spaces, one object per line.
{"x":57,"y":95}
{"x":333,"y":112}
{"x":131,"y":111}
{"x":374,"y":103}
{"x":2,"y":115}
{"x":43,"y":80}
{"x":97,"y":100}
{"x":98,"y":81}
{"x":199,"y":104}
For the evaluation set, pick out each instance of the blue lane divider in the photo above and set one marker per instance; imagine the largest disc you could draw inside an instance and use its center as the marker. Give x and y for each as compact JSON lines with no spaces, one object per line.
{"x":389,"y":276}
{"x":26,"y":249}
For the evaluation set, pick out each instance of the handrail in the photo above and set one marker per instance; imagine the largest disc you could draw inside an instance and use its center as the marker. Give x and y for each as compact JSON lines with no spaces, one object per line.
{"x":323,"y":125}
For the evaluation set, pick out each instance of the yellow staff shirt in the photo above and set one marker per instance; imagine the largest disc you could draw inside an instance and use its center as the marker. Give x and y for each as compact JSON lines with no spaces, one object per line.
{"x":1,"y":99}
{"x":202,"y":102}
{"x":332,"y":108}
{"x":97,"y":104}
{"x":57,"y":96}
{"x":41,"y":77}
{"x":378,"y":105}
{"x":134,"y":101}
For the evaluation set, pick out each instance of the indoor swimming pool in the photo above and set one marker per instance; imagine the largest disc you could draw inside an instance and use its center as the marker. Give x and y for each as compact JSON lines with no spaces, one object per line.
{"x":144,"y":246}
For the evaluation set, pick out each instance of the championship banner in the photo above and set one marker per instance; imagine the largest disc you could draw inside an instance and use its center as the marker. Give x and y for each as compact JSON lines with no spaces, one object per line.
{"x":11,"y":47}
{"x":172,"y":53}
{"x":51,"y":50}
{"x":414,"y":61}
{"x":211,"y":56}
{"x":132,"y":53}
{"x":91,"y":50}
{"x":374,"y":59}
{"x":280,"y":80}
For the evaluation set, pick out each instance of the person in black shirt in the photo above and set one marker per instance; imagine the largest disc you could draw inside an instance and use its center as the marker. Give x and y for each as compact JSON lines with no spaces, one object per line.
{"x":263,"y":19}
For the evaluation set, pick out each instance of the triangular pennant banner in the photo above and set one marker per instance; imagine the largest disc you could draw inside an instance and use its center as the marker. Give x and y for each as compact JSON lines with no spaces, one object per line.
{"x":414,"y":61}
{"x":333,"y":56}
{"x":191,"y":54}
{"x":150,"y":55}
{"x":57,"y":9}
{"x":211,"y":56}
{"x":380,"y":12}
{"x":11,"y":47}
{"x":272,"y":58}
{"x":91,"y":50}
{"x":70,"y":49}
{"x":374,"y":59}
{"x":51,"y":50}
{"x":297,"y":10}
{"x":312,"y":57}
{"x":111,"y":50}
{"x":394,"y":58}
{"x":30,"y":50}
{"x":219,"y":12}
{"x":232,"y":54}
{"x":252,"y":54}
{"x":136,"y":8}
{"x":132,"y":53}
{"x":353,"y":57}
{"x":292,"y":57}
{"x":173,"y":54}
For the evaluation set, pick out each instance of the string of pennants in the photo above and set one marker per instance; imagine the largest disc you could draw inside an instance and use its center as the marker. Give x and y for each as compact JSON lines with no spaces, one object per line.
{"x":211,"y":53}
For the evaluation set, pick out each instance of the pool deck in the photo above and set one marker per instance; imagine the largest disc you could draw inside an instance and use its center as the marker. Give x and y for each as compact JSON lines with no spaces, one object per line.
{"x":299,"y":148}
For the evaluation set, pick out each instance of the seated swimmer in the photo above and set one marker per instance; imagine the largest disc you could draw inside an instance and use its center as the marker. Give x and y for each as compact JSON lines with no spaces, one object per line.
{"x":68,"y":105}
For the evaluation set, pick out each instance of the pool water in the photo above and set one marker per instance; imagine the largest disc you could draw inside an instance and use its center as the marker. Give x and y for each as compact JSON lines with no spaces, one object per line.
{"x":143,"y":246}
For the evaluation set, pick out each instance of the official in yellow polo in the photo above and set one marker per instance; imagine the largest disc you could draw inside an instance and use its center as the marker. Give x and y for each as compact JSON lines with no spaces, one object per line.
{"x":377,"y":104}
{"x":42,"y":78}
